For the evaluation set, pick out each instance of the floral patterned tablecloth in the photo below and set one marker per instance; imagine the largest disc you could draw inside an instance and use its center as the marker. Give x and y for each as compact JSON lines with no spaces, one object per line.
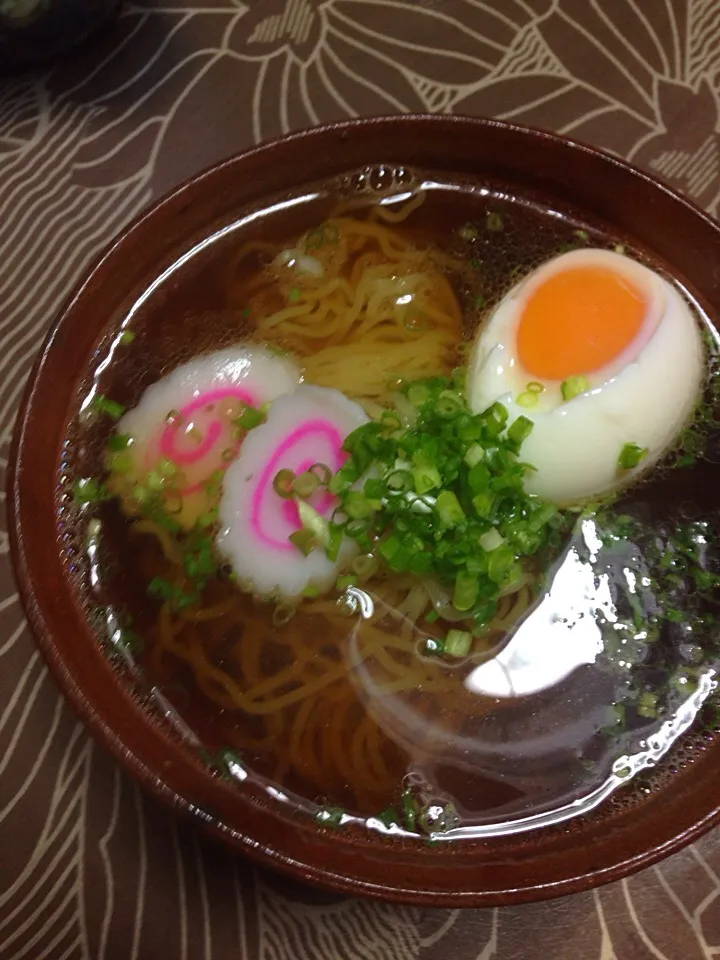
{"x":90,"y":869}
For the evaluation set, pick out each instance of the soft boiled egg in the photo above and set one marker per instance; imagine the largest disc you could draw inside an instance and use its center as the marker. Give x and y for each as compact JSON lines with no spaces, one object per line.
{"x":599,"y":352}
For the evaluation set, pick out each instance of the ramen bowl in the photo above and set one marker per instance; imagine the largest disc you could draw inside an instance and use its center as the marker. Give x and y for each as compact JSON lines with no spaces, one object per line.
{"x":169,"y":744}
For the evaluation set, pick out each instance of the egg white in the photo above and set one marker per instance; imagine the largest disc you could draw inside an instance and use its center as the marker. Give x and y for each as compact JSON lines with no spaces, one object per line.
{"x":643,"y":396}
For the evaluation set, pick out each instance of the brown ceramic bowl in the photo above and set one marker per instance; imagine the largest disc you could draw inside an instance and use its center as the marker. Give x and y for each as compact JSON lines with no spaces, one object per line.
{"x":620,"y":836}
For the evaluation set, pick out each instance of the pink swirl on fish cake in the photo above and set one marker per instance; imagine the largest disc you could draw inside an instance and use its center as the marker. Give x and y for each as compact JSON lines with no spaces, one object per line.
{"x":167,"y":442}
{"x":326,"y":443}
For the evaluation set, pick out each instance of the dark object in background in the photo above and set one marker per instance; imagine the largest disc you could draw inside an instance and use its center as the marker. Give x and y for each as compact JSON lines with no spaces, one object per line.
{"x":34,"y":31}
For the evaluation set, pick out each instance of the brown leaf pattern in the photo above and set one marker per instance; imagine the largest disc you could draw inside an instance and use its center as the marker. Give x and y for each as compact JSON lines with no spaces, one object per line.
{"x":90,"y":869}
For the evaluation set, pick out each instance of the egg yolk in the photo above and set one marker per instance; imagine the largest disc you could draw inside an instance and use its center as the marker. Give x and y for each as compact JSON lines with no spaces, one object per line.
{"x":578,"y":321}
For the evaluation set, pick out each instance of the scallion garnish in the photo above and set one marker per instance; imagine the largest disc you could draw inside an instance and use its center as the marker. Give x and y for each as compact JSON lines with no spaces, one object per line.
{"x":458,"y":643}
{"x":439,"y":489}
{"x":304,"y":540}
{"x":283,"y":484}
{"x":104,"y":404}
{"x":631,"y":456}
{"x":119,"y":441}
{"x":448,"y":509}
{"x":574,"y":386}
{"x":127,"y":337}
{"x":249,"y":418}
{"x":466,"y":591}
{"x":323,"y":472}
{"x":314,"y":522}
{"x":305,"y":485}
{"x":527,"y":399}
{"x":89,"y":490}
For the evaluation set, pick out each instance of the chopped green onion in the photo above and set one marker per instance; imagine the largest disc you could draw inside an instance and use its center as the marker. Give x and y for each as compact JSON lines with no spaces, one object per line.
{"x":311,"y":592}
{"x":167,"y":468}
{"x":426,"y":479}
{"x":357,"y":528}
{"x":400,"y":480}
{"x":348,"y":580}
{"x":89,"y":490}
{"x":375,"y":489}
{"x":468,"y":232}
{"x":582,"y":235}
{"x":418,"y":394}
{"x":500,"y":564}
{"x":574,"y":386}
{"x":121,"y":462}
{"x":493,"y":222}
{"x":449,"y":509}
{"x":484,"y":502}
{"x":520,"y":430}
{"x":466,"y":591}
{"x":479,"y":302}
{"x":312,"y":520}
{"x":283,"y":484}
{"x":249,"y":418}
{"x":126,"y":337}
{"x":304,"y":540}
{"x":119,"y":441}
{"x":305,"y":485}
{"x":358,"y":506}
{"x":491,"y":540}
{"x":389,"y":817}
{"x":323,"y":472}
{"x":294,"y":295}
{"x":527,"y":399}
{"x":647,"y":704}
{"x":631,"y":456}
{"x":474,"y":454}
{"x":535,"y":387}
{"x":104,"y":404}
{"x":458,"y":643}
{"x":542,"y":517}
{"x":334,"y":542}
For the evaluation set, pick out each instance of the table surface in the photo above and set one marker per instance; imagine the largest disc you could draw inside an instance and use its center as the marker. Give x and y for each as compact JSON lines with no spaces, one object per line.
{"x":91,"y":869}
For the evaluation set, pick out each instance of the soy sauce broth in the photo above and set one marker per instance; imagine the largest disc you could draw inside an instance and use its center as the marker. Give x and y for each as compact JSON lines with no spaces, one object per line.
{"x":363,"y":748}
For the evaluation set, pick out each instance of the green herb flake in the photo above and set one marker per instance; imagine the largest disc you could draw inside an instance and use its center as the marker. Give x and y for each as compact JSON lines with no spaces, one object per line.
{"x":118,"y":442}
{"x":103,"y":404}
{"x":458,"y":643}
{"x":439,"y":489}
{"x":250,"y":418}
{"x":574,"y":386}
{"x":127,"y":337}
{"x":631,"y":456}
{"x":89,"y":490}
{"x":330,"y":816}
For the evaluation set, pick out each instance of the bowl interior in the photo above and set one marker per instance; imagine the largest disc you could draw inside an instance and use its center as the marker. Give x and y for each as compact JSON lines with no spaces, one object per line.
{"x":631,"y":829}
